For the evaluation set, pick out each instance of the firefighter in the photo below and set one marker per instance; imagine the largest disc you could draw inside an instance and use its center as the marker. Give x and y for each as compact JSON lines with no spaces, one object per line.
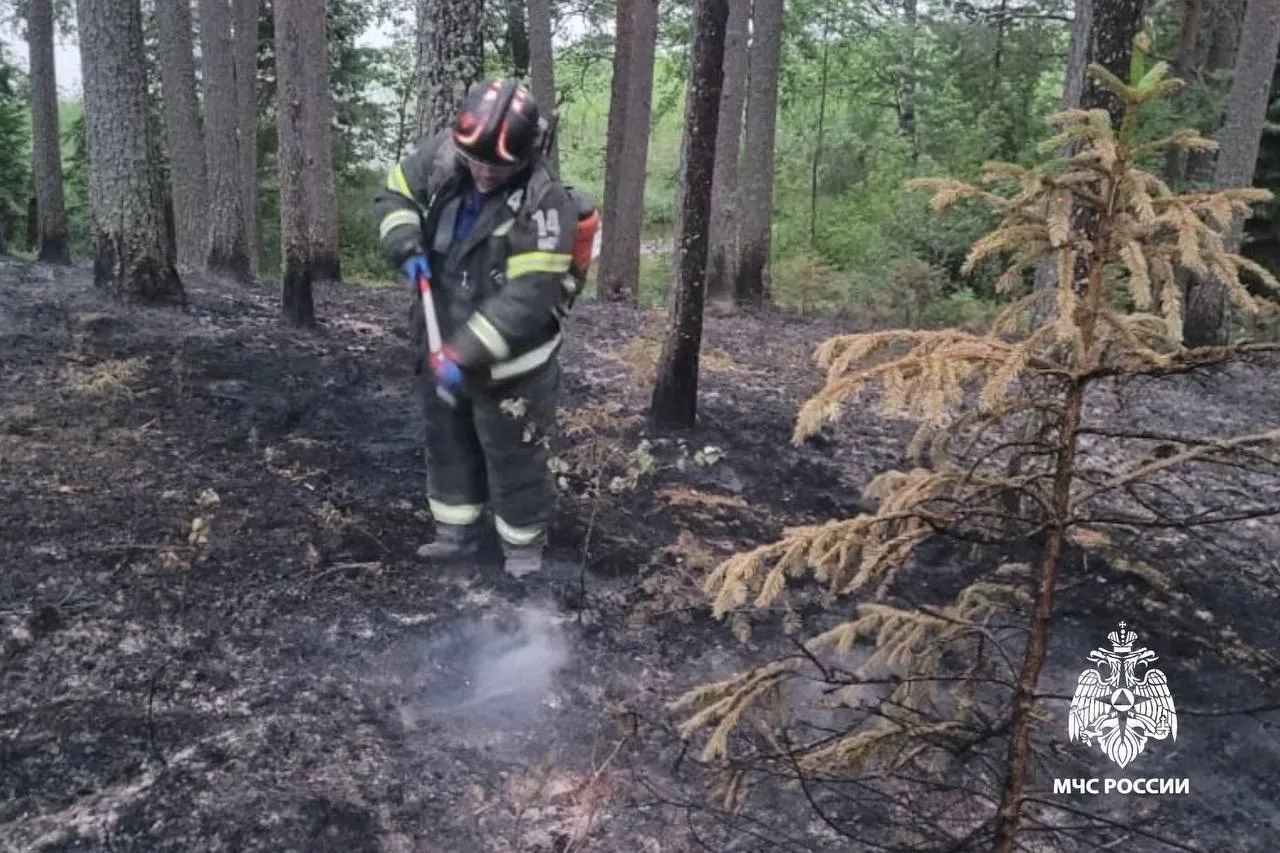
{"x":475,"y":209}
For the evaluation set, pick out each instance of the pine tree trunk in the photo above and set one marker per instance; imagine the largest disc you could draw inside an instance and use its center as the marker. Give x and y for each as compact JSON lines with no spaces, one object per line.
{"x":52,"y":240}
{"x":246,"y":14}
{"x":1079,"y":54}
{"x":907,"y":79}
{"x":450,"y":58}
{"x":306,"y":174}
{"x":627,"y":150}
{"x":1175,"y":159}
{"x":1208,"y":315}
{"x":722,"y":234}
{"x":129,"y":257}
{"x":1101,"y":34}
{"x":187,"y":171}
{"x":1115,"y":26}
{"x":675,"y":393}
{"x":228,"y":248}
{"x":1226,"y":19}
{"x":542,"y":67}
{"x":1008,"y":818}
{"x":321,"y":182}
{"x":755,"y":235}
{"x":517,"y":38}
{"x":610,"y":288}
{"x":1263,"y":228}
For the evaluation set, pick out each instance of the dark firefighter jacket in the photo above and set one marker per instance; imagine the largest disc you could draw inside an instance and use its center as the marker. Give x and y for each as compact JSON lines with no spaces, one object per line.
{"x":502,"y":290}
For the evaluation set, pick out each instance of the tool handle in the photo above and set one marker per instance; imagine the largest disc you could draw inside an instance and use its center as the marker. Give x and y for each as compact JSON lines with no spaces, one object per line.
{"x":434,"y":341}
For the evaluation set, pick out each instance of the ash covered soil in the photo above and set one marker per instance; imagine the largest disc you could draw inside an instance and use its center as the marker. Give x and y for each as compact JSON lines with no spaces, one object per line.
{"x":215,"y":633}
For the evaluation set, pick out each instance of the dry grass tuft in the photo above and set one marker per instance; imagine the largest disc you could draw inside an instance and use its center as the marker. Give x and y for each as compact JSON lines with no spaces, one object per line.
{"x":596,"y":454}
{"x":108,"y":379}
{"x":640,"y":357}
{"x":549,"y":808}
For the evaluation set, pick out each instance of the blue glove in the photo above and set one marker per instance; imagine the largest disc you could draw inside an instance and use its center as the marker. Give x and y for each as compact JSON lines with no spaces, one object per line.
{"x":446,"y":369}
{"x":414,"y":268}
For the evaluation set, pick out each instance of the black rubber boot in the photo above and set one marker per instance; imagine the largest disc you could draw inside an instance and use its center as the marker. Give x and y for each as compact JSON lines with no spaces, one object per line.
{"x":453,"y":542}
{"x":521,"y":560}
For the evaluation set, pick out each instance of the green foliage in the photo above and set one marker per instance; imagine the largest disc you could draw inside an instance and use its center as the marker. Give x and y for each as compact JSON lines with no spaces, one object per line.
{"x":970,"y":108}
{"x":361,"y":256}
{"x":15,"y":145}
{"x":75,"y":171}
{"x":983,"y":85}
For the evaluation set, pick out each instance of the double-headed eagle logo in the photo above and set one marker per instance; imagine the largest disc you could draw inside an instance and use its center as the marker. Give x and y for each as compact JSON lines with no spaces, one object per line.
{"x":1120,"y":712}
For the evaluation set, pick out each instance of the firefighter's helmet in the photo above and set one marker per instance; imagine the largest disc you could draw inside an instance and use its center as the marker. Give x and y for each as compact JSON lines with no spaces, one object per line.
{"x":498,"y":126}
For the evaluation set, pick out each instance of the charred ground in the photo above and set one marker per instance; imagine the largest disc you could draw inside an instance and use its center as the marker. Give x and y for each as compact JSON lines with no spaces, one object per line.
{"x":215,"y":633}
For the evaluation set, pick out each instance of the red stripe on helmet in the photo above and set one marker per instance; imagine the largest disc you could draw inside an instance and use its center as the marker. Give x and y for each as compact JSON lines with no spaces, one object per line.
{"x":504,"y":150}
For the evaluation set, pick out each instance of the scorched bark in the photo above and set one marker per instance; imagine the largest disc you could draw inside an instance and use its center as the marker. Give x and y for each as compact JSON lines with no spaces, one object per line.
{"x":129,"y":256}
{"x":51,"y":203}
{"x":228,"y":245}
{"x":675,"y":393}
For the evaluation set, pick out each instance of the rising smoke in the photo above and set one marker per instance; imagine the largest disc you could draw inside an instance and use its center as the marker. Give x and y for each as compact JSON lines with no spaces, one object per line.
{"x":502,"y":663}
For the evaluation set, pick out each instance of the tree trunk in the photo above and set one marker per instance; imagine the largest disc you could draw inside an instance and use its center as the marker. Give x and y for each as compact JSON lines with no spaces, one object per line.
{"x":1175,"y":159}
{"x":1207,"y":319}
{"x":675,"y":393}
{"x":517,"y":38}
{"x":1241,"y":136}
{"x":610,"y":286}
{"x":755,"y":224}
{"x":306,"y":173}
{"x":53,"y":243}
{"x":1079,"y":55}
{"x":907,"y":79}
{"x":1115,"y":26}
{"x":187,"y":172}
{"x":733,"y":98}
{"x":627,"y":150}
{"x":320,"y":180}
{"x":1226,"y":18}
{"x":542,"y":67}
{"x":817,"y":145}
{"x":1103,"y":35}
{"x":1008,"y":819}
{"x":450,"y":58}
{"x":129,"y":257}
{"x":1262,"y":242}
{"x":228,"y":248}
{"x":246,"y":70}
{"x":33,"y":224}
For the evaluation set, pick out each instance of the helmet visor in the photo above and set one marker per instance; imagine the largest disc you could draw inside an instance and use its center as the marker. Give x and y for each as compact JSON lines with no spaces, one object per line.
{"x":488,"y":174}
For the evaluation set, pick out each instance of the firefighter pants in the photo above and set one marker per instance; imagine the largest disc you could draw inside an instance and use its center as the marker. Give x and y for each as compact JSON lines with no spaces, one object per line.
{"x":492,"y":450}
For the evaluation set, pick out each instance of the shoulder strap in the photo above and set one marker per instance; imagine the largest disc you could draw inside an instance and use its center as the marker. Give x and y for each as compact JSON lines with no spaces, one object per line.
{"x":443,"y":176}
{"x":444,"y":163}
{"x":536,"y":189}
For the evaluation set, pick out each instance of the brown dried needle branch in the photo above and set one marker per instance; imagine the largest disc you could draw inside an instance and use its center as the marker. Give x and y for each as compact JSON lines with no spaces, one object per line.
{"x":1118,"y":312}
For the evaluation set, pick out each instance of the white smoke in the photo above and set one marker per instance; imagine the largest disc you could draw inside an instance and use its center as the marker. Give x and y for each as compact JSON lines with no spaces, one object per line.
{"x":514,"y":662}
{"x":501,"y":663}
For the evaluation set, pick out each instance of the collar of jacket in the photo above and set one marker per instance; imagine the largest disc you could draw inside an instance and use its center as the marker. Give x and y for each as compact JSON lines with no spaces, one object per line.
{"x":497,"y":209}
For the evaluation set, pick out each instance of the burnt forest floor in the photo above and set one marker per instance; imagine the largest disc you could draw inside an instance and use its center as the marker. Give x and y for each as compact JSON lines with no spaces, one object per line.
{"x":215,"y":633}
